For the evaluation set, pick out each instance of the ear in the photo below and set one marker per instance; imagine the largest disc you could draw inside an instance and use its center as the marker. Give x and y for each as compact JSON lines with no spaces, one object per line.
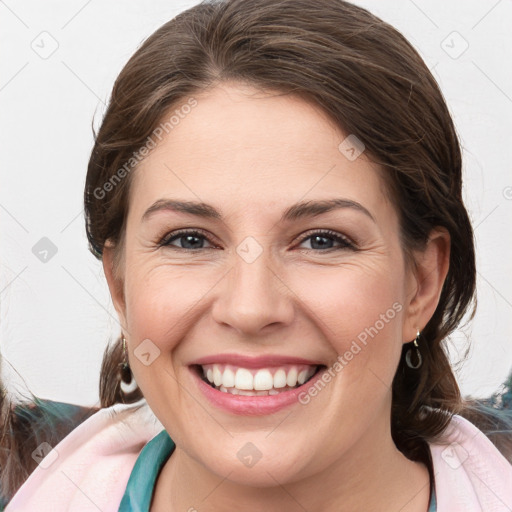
{"x":115,"y":283}
{"x":425,"y":283}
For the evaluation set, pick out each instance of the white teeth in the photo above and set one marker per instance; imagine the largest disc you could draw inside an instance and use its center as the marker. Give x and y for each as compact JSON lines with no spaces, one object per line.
{"x":228,"y":378}
{"x":291,"y":379}
{"x":303,"y":376}
{"x":280,"y":379}
{"x":263,"y":380}
{"x":217,"y":375}
{"x":243,"y":379}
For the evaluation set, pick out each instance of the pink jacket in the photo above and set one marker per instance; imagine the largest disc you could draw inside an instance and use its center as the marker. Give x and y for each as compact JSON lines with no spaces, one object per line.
{"x":89,"y":469}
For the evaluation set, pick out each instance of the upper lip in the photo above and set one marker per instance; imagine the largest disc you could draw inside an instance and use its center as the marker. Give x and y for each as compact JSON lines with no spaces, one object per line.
{"x":254,"y":361}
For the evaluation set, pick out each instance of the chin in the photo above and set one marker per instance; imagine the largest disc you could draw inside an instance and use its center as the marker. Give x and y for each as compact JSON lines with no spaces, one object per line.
{"x":257,"y":473}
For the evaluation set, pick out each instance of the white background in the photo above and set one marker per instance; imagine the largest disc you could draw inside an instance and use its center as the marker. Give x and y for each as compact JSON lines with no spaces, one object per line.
{"x":56,"y":317}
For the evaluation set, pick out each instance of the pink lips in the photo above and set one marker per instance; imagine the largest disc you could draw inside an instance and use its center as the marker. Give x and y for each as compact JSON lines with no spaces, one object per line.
{"x":254,"y":361}
{"x":252,"y":405}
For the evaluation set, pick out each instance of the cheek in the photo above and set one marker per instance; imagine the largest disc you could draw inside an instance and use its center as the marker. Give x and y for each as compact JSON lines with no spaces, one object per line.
{"x":359,"y":311}
{"x":154,"y":313}
{"x":158,"y":307}
{"x":160,"y":302}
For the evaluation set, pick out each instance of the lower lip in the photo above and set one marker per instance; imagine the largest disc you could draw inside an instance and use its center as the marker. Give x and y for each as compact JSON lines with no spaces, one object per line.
{"x":253,"y":405}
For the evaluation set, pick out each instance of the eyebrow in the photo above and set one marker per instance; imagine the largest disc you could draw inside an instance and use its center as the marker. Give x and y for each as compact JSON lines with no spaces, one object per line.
{"x":297,"y":211}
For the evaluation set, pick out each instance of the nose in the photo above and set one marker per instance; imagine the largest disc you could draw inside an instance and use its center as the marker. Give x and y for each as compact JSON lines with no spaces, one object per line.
{"x":253,"y":298}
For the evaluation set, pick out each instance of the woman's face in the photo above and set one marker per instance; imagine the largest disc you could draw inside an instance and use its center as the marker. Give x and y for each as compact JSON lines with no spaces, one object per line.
{"x":255,"y":292}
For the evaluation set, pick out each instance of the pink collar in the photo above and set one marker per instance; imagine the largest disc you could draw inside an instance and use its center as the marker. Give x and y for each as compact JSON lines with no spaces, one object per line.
{"x":89,"y":469}
{"x":470,"y":473}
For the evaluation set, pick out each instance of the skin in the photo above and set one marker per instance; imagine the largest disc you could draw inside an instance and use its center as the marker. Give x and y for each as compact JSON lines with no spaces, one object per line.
{"x":251,"y":154}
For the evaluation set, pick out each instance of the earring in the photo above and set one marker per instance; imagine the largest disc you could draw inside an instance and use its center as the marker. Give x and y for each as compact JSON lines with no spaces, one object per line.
{"x":127,"y":382}
{"x":410,"y":351}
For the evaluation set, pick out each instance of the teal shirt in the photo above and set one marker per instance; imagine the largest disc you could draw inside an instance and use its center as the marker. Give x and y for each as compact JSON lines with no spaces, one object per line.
{"x":433,"y":504}
{"x":141,"y":484}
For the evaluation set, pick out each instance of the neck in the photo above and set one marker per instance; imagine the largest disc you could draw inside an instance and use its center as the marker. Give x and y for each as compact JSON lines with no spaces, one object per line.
{"x":372,"y":475}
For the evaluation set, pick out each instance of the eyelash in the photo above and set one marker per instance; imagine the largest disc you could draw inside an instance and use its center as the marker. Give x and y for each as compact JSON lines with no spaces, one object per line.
{"x":176,"y":235}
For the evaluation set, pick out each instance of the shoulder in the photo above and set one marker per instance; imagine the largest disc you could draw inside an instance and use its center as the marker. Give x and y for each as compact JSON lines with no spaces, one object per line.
{"x":471,"y":474}
{"x":89,"y":468}
{"x":28,"y":424}
{"x":495,"y":422}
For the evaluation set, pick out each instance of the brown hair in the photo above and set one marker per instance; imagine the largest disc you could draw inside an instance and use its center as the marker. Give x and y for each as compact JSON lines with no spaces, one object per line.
{"x":367,"y":77}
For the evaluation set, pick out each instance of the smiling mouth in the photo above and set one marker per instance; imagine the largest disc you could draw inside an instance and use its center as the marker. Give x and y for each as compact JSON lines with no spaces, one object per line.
{"x":237,"y":380}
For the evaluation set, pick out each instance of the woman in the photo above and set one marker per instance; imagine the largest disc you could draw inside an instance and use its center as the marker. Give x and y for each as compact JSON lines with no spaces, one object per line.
{"x":275,"y":195}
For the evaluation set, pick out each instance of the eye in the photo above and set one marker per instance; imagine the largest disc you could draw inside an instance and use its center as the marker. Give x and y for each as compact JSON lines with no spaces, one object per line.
{"x":323,"y":239}
{"x":190,"y":240}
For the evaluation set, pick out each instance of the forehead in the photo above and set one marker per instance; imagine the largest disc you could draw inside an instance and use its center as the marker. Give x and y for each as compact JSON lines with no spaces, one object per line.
{"x":239,"y":146}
